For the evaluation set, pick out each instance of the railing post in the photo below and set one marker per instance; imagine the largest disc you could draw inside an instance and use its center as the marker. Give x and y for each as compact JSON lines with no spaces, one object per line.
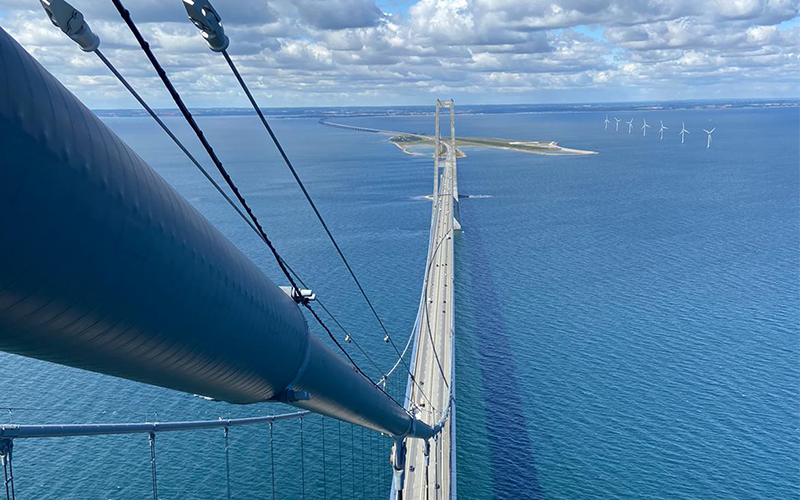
{"x":6,"y":447}
{"x":302,"y":461}
{"x":324,"y":487}
{"x":341,"y":481}
{"x":272,"y":459}
{"x":152,"y":436}
{"x":227,"y":463}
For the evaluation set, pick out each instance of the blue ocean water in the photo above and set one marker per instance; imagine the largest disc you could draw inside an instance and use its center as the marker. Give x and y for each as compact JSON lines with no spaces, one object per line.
{"x":627,"y":323}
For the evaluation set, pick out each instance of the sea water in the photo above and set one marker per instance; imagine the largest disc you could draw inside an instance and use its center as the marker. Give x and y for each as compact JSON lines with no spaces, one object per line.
{"x":626,"y":323}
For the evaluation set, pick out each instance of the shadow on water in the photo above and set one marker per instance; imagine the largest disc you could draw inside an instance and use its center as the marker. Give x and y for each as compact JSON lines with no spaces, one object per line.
{"x":512,"y":459}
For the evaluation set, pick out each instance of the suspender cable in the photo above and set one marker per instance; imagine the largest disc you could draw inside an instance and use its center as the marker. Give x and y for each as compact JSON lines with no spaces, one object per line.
{"x":6,"y":452}
{"x":427,"y":315}
{"x":335,"y":341}
{"x":152,"y":437}
{"x":341,"y":481}
{"x":313,"y":205}
{"x":6,"y":480}
{"x":177,"y":141}
{"x":363,"y":466}
{"x":324,"y":487}
{"x":220,"y":190}
{"x":302,"y":186}
{"x":207,"y":20}
{"x":191,"y":157}
{"x":221,"y":168}
{"x":272,"y":460}
{"x":228,"y":462}
{"x":126,"y":16}
{"x":302,"y":461}
{"x":348,"y":335}
{"x":353,"y":457}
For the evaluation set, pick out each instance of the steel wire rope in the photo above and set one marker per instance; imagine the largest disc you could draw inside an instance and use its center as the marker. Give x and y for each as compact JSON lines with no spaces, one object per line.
{"x":272,"y":459}
{"x":8,"y":475}
{"x":313,"y":205}
{"x":126,"y":17}
{"x":335,"y":341}
{"x":152,"y":439}
{"x":363,"y":466}
{"x":424,"y":301}
{"x":228,"y":463}
{"x":341,"y":481}
{"x":336,"y":322}
{"x":435,"y":222}
{"x":353,"y":458}
{"x":172,"y":136}
{"x":302,"y":461}
{"x":427,"y":314}
{"x":125,"y":14}
{"x":324,"y":486}
{"x":205,"y":173}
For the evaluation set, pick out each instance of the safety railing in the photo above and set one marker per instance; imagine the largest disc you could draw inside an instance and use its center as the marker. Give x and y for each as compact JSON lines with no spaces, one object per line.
{"x":372,"y":447}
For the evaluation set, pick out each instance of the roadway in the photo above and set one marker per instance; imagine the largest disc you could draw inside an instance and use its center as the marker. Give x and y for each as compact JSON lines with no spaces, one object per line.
{"x":430,"y":400}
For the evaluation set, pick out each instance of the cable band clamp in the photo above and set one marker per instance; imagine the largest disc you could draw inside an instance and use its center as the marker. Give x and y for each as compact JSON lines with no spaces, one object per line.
{"x":203,"y":15}
{"x":71,"y":22}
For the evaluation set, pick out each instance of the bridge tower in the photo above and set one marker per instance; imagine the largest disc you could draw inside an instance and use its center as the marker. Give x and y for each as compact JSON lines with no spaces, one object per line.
{"x":451,"y":149}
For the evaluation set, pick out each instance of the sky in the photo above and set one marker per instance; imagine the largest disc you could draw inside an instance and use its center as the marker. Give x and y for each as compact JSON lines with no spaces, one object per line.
{"x":395,"y":52}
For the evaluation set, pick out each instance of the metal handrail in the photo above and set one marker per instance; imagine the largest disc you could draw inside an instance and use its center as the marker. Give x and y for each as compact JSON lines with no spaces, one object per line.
{"x":15,"y":431}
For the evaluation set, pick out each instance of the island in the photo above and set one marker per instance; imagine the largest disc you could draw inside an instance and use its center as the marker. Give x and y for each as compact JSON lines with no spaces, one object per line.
{"x":408,"y":141}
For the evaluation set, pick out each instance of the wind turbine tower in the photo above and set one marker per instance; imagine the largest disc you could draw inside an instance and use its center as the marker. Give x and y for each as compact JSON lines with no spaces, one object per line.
{"x":617,"y":120}
{"x":708,"y":142}
{"x":645,"y":126}
{"x":606,"y":122}
{"x":662,"y":129}
{"x":630,"y":125}
{"x":683,"y":132}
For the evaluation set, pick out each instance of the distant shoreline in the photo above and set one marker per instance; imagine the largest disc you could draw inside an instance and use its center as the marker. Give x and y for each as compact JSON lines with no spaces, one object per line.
{"x":473,"y":109}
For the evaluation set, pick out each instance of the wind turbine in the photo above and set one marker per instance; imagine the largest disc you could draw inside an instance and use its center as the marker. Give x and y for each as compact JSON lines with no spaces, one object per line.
{"x":618,"y":120}
{"x":630,"y":125}
{"x":606,"y":121}
{"x":662,"y":129}
{"x":645,"y":126}
{"x":683,"y":132}
{"x":708,"y":143}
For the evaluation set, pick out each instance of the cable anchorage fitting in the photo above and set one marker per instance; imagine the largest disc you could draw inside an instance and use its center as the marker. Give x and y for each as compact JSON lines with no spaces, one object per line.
{"x":71,"y":22}
{"x":203,"y":15}
{"x":290,"y":396}
{"x":303,"y":296}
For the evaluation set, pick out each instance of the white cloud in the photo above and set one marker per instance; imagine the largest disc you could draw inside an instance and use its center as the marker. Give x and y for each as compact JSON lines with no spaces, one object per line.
{"x":313,"y":52}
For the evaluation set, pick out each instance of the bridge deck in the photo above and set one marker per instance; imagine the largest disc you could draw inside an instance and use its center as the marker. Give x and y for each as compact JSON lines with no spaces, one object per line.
{"x":435,"y":340}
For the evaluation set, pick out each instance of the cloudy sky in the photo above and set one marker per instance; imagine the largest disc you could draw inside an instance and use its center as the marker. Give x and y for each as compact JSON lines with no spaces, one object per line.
{"x":393,"y":52}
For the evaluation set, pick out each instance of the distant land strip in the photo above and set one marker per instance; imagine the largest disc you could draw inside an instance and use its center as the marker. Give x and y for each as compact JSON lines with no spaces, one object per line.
{"x":405,"y":141}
